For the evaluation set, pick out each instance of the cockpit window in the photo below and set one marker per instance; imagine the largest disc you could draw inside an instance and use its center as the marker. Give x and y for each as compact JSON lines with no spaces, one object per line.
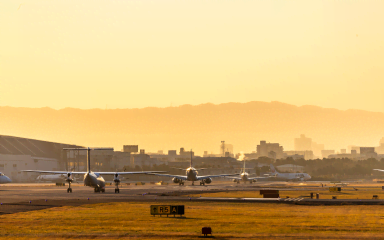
{"x":1,"y":174}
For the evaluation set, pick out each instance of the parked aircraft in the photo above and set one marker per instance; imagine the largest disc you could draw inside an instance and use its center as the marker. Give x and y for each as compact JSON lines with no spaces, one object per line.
{"x":52,"y":178}
{"x":92,"y":179}
{"x":4,"y":179}
{"x":192,"y":175}
{"x":289,"y":176}
{"x":244,"y":176}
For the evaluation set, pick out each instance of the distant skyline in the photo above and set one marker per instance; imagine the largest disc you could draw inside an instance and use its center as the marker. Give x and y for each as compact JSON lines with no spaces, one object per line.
{"x":136,"y":54}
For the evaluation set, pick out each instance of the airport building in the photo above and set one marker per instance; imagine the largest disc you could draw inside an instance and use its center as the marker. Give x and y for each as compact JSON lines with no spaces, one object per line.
{"x":18,"y":154}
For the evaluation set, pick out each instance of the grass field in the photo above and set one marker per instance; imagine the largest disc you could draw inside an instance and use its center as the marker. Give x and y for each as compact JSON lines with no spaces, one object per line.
{"x":362,"y":192}
{"x":227,"y":220}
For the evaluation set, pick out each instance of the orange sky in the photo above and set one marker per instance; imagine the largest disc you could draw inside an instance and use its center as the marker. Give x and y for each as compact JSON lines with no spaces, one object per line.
{"x":125,"y":54}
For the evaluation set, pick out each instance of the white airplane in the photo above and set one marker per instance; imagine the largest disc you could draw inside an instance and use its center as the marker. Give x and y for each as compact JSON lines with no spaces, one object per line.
{"x":4,"y":179}
{"x":91,"y":179}
{"x":52,"y":178}
{"x":289,"y":176}
{"x":244,"y":176}
{"x":191,"y":175}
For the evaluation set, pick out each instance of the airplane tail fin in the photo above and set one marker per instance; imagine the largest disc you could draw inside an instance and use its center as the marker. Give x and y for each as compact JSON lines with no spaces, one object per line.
{"x":191,"y":158}
{"x":88,"y":160}
{"x":244,"y":167}
{"x":273,"y":170}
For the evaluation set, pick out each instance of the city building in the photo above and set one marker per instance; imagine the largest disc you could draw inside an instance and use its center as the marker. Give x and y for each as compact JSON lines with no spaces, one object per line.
{"x":368,"y":152}
{"x":307,"y":154}
{"x":271,"y":150}
{"x":327,"y":153}
{"x":303,"y":143}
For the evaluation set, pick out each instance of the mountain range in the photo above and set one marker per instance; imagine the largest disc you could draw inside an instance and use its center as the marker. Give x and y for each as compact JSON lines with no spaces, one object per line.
{"x":201,"y":127}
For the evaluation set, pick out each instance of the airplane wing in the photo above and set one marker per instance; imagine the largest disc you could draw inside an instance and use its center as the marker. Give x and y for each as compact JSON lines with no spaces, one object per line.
{"x":179,"y":168}
{"x":255,"y":178}
{"x":237,"y":178}
{"x":168,"y":175}
{"x":127,"y":173}
{"x":214,"y":176}
{"x":53,"y":172}
{"x":381,"y":170}
{"x":101,"y":173}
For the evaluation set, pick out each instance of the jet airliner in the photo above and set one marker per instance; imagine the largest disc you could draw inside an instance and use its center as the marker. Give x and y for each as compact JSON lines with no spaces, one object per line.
{"x":192,"y":176}
{"x":244,"y":176}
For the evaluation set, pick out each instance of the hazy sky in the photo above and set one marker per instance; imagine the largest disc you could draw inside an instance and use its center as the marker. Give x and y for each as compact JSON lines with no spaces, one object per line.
{"x":125,"y":54}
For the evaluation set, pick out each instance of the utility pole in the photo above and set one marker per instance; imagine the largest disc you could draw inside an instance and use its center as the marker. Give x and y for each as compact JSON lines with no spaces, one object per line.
{"x":223,"y":147}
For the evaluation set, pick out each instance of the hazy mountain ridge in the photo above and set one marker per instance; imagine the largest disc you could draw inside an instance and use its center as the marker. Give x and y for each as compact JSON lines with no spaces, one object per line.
{"x":200,"y":127}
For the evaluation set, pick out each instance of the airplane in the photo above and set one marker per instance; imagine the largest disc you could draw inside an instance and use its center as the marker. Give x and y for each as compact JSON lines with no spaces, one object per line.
{"x":91,"y":179}
{"x":4,"y":179}
{"x":191,"y":175}
{"x":244,"y":176}
{"x":52,"y":178}
{"x":289,"y":176}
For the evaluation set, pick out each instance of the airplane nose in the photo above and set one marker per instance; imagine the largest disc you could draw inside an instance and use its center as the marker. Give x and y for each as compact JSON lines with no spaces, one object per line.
{"x":9,"y":180}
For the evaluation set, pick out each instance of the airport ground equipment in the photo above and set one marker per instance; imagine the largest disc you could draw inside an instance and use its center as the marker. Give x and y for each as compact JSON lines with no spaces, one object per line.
{"x":167,"y":210}
{"x":92,"y":179}
{"x":270,"y":193}
{"x":192,"y":175}
{"x":206,"y":230}
{"x":335,"y":189}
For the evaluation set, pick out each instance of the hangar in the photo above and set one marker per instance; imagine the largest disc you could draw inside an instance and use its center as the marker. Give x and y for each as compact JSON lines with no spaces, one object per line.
{"x":18,"y":154}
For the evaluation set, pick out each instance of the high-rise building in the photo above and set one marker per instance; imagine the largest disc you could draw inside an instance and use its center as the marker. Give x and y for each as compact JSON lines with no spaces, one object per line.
{"x":303,"y":143}
{"x":271,"y":150}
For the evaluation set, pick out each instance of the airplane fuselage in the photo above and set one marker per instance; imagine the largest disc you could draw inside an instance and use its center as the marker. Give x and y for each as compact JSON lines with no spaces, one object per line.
{"x":93,"y":180}
{"x":4,"y":179}
{"x":191,"y":174}
{"x":293,"y":176}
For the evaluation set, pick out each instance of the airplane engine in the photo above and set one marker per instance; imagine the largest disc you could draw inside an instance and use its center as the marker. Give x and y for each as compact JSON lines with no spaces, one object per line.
{"x":175,"y":180}
{"x":208,"y":180}
{"x":69,"y":177}
{"x":254,"y":180}
{"x":116,"y":178}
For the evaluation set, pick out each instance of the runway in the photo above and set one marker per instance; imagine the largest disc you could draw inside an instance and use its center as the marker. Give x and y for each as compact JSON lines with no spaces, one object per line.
{"x":19,"y":197}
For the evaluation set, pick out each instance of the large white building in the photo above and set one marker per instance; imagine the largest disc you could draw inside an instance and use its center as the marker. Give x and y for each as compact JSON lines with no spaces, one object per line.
{"x":18,"y":154}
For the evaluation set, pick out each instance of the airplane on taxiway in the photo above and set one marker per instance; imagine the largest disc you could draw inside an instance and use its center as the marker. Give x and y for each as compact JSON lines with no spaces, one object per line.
{"x":92,"y":179}
{"x":244,"y":176}
{"x":4,"y":179}
{"x":192,"y":175}
{"x":289,"y":176}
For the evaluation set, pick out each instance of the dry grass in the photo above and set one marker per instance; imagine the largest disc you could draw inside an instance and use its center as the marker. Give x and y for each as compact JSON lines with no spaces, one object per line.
{"x":228,"y":220}
{"x":346,"y":193}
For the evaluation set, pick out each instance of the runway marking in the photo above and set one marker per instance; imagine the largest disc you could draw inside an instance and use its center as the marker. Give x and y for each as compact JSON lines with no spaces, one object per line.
{"x":293,"y":199}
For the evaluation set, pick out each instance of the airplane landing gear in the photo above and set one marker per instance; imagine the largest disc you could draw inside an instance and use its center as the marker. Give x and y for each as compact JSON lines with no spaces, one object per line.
{"x":69,"y":190}
{"x":202,"y":183}
{"x":181,"y":183}
{"x":97,"y":189}
{"x":193,"y":183}
{"x":117,"y":190}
